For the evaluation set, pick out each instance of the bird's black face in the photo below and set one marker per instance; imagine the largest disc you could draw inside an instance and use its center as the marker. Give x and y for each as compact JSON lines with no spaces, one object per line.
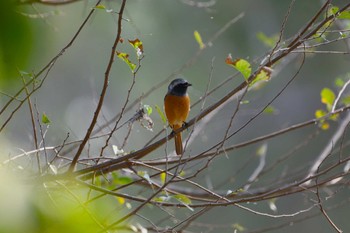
{"x":178,"y":87}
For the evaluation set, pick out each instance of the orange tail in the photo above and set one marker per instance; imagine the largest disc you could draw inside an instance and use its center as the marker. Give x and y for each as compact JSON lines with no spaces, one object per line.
{"x":178,"y":144}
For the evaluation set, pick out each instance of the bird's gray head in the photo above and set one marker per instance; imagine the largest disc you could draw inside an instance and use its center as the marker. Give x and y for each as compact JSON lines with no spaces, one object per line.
{"x":178,"y":87}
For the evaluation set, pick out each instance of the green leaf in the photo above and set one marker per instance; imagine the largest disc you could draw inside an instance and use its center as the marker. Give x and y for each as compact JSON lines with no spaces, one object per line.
{"x":266,"y":40}
{"x":346,"y":100}
{"x":148,"y":109}
{"x":339,"y":82}
{"x":184,"y":200}
{"x":343,"y":15}
{"x":161,"y":114}
{"x":199,"y":40}
{"x":45,"y":119}
{"x":121,"y":179}
{"x":270,"y":110}
{"x":125,"y":58}
{"x":327,"y":97}
{"x":243,"y":66}
{"x":182,"y":173}
{"x":103,"y":7}
{"x":333,"y":10}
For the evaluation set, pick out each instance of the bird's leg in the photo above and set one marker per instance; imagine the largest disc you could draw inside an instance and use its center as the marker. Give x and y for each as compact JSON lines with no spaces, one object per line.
{"x":172,"y":133}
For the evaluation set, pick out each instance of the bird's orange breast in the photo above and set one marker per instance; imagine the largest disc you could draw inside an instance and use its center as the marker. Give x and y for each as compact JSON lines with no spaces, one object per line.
{"x":176,"y":109}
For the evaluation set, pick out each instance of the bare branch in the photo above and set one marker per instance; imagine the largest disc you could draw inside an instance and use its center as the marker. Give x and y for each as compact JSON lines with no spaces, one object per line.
{"x":104,"y":89}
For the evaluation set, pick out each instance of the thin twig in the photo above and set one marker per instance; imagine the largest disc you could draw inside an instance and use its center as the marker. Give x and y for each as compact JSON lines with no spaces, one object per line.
{"x":319,"y":202}
{"x":32,"y":118}
{"x":339,"y":95}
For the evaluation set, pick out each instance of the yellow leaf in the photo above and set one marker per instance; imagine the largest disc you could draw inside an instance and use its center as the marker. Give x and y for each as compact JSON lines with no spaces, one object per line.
{"x":100,"y":6}
{"x":319,"y":113}
{"x":324,"y":125}
{"x":137,"y":44}
{"x":161,"y":114}
{"x":334,"y":117}
{"x":125,"y":58}
{"x":263,"y":75}
{"x":183,"y":199}
{"x":121,"y":200}
{"x":163,"y":177}
{"x":199,"y":40}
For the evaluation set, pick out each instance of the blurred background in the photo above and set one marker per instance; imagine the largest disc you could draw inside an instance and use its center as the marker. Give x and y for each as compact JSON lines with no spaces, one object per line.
{"x":33,"y":34}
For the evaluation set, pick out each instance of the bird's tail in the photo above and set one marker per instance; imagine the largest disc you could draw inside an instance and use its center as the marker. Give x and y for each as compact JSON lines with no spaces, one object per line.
{"x":178,"y":141}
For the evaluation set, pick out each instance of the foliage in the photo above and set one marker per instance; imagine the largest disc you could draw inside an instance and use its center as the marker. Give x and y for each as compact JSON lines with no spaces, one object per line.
{"x":15,"y":41}
{"x":84,"y":153}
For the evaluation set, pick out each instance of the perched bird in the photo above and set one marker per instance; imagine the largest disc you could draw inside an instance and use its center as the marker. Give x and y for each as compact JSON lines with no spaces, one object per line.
{"x":177,"y":107}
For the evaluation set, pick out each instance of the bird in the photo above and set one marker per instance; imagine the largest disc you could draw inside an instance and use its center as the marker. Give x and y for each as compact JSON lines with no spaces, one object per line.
{"x":177,"y":107}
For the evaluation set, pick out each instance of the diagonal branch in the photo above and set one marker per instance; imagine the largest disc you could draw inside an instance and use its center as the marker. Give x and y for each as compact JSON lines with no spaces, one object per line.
{"x":104,"y":89}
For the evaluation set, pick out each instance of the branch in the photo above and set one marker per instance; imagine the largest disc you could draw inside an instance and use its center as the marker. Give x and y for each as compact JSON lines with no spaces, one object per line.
{"x":103,"y":92}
